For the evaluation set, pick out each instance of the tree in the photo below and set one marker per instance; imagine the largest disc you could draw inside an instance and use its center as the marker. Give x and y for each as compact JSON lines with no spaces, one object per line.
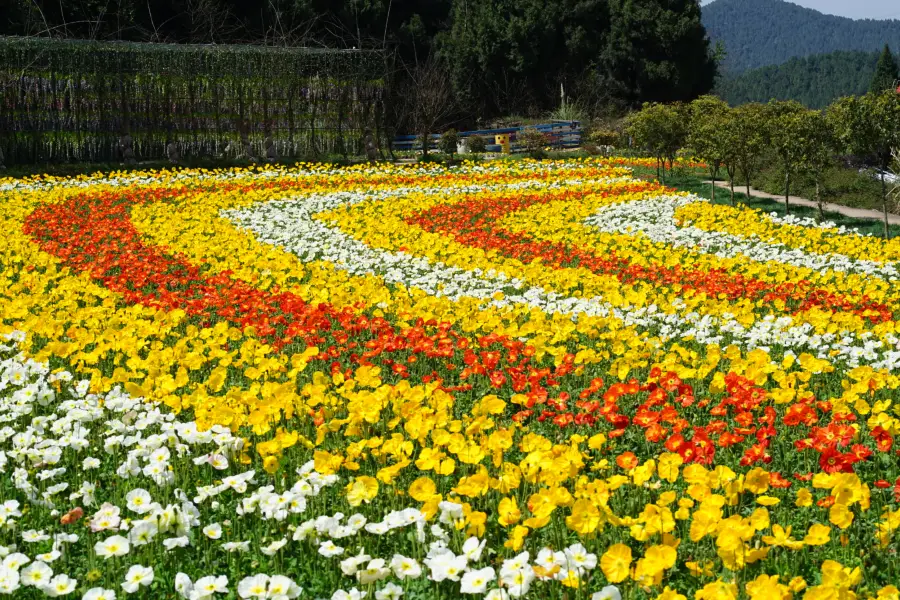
{"x":657,"y":51}
{"x":817,"y":141}
{"x":661,"y":129}
{"x":510,"y":56}
{"x":428,"y":100}
{"x":708,"y":116}
{"x":448,"y":142}
{"x":869,"y":126}
{"x":783,"y":134}
{"x":749,"y":123}
{"x":886,"y":72}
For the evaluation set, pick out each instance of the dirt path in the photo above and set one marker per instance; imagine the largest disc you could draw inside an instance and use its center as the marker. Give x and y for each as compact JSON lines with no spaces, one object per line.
{"x":856,"y":213}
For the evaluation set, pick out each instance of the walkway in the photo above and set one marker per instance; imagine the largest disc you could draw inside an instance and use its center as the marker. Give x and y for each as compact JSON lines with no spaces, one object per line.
{"x":847,"y":211}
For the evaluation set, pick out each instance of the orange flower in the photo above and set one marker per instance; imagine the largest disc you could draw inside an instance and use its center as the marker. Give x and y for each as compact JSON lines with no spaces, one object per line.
{"x":627,"y":460}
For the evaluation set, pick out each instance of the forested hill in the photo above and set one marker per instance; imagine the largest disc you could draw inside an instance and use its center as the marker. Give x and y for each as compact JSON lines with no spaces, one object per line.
{"x":814,"y":81}
{"x":757,"y":33}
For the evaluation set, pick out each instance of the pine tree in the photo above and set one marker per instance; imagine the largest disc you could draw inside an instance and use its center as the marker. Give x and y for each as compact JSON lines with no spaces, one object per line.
{"x":886,"y":71}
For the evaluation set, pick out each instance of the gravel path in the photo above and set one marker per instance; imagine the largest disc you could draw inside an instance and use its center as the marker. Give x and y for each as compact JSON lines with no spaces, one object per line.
{"x":856,"y":213}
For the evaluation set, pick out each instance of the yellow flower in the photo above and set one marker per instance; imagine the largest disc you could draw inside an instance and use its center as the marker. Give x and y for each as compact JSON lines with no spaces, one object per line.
{"x":840,"y":516}
{"x":517,"y":538}
{"x":804,"y":498}
{"x":717,"y":590}
{"x":585,"y":517}
{"x":616,"y":562}
{"x":509,"y":513}
{"x":670,"y":594}
{"x":818,"y":535}
{"x":362,"y":489}
{"x":757,"y":481}
{"x":422,"y":489}
{"x":766,"y":587}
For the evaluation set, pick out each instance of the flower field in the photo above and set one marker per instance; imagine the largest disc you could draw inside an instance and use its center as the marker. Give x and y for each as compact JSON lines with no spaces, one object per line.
{"x":510,"y":379}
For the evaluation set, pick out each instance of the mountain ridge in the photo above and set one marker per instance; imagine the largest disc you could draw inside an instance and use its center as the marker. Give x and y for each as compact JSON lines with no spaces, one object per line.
{"x":759,"y":33}
{"x":815,"y":81}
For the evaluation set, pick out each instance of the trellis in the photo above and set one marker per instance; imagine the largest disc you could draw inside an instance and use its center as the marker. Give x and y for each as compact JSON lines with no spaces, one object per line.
{"x":72,"y":100}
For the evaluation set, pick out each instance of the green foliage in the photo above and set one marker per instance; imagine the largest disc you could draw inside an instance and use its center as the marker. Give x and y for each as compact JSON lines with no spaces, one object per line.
{"x":814,"y":81}
{"x":476,"y":144}
{"x":448,"y":142}
{"x":748,"y":128}
{"x":508,"y":56}
{"x":708,"y":116}
{"x":660,"y":129}
{"x":604,"y":137}
{"x":533,"y":141}
{"x":757,"y":33}
{"x":886,"y":72}
{"x":81,"y":96}
{"x":657,"y":51}
{"x":870,"y":126}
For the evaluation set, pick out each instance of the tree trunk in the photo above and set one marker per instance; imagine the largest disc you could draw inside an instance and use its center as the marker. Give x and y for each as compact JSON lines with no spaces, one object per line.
{"x":748,"y":188}
{"x":657,"y":168}
{"x":731,"y":183}
{"x":713,"y":186}
{"x":884,"y":206}
{"x":819,"y":200}
{"x":787,"y":191}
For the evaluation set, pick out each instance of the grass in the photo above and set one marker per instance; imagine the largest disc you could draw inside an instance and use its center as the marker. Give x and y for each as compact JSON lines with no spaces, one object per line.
{"x":696,"y":183}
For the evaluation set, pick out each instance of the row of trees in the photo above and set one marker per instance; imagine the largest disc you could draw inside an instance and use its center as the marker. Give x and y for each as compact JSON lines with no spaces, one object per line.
{"x":803,"y":140}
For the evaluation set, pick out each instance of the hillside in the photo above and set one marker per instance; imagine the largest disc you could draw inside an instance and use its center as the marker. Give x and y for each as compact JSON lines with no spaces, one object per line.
{"x":757,"y":33}
{"x":814,"y":80}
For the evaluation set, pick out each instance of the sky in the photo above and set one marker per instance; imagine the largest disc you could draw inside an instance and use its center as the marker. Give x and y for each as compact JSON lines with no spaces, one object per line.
{"x":855,"y":9}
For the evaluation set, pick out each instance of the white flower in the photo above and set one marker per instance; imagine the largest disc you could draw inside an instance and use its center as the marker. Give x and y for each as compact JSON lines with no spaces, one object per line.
{"x":183,"y":585}
{"x":9,"y":580}
{"x":236,"y":546}
{"x":391,"y":591}
{"x":60,"y":585}
{"x":273,"y":548}
{"x":475,"y":582}
{"x":209,"y":585}
{"x":254,"y":587}
{"x":143,"y":532}
{"x":578,"y":557}
{"x":282,"y":587}
{"x":90,"y":463}
{"x":610,"y":592}
{"x":353,"y":594}
{"x":374,"y":571}
{"x":177,"y":542}
{"x":112,"y":546}
{"x":496,"y":594}
{"x":328,"y":548}
{"x":15,"y":561}
{"x":472,"y":549}
{"x":99,"y":594}
{"x":137,"y":576}
{"x":213,"y":531}
{"x":36,"y":574}
{"x":404,"y":567}
{"x":518,"y":582}
{"x":33,"y":537}
{"x":139,"y":501}
{"x":446,"y":565}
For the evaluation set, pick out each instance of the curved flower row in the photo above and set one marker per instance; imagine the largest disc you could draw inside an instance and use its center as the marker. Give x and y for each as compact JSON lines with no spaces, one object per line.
{"x":365,"y":409}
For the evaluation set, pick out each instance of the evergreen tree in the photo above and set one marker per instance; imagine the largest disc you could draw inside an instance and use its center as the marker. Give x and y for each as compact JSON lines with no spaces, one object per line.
{"x":658,"y":51}
{"x":886,"y":72}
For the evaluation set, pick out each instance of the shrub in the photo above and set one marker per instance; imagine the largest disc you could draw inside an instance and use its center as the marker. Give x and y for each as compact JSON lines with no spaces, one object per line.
{"x":534,"y":141}
{"x":448,"y":142}
{"x":477,"y":144}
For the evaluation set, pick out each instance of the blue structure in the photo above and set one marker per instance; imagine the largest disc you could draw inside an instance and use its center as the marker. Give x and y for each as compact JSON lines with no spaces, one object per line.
{"x":560,"y":135}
